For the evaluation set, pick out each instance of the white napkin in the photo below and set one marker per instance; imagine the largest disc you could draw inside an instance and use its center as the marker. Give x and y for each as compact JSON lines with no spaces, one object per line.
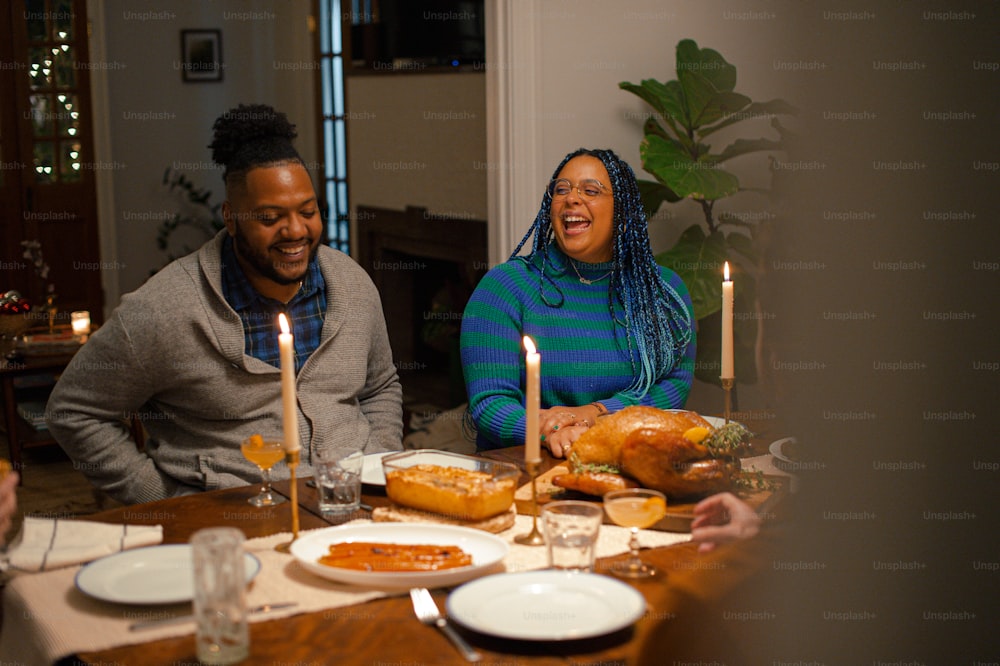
{"x":46,"y":543}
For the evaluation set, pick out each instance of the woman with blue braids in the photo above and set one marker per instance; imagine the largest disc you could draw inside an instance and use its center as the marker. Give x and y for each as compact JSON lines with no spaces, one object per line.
{"x":612,"y":326}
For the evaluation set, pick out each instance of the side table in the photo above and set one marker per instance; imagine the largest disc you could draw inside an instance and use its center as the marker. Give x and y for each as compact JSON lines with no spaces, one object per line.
{"x":20,"y":434}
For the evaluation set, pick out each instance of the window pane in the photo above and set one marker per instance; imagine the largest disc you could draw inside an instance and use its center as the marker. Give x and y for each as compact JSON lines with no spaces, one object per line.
{"x":324,"y":68}
{"x":342,"y":200}
{"x":40,"y":68}
{"x":41,"y":114}
{"x":44,"y":160}
{"x":338,"y":85}
{"x":63,"y":65}
{"x":340,"y":142}
{"x":69,"y":115}
{"x":329,"y":157}
{"x":34,"y":17}
{"x":324,"y":27}
{"x":331,"y":220}
{"x":69,"y":161}
{"x":335,"y":17}
{"x":62,"y":19}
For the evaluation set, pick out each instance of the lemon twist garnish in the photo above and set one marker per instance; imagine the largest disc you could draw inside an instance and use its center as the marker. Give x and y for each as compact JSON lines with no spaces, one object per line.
{"x":654,"y":504}
{"x":696,"y":434}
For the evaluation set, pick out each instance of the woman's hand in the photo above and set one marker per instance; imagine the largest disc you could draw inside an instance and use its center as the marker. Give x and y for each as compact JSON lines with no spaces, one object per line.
{"x":720,"y":518}
{"x":561,"y":441}
{"x":560,"y":426}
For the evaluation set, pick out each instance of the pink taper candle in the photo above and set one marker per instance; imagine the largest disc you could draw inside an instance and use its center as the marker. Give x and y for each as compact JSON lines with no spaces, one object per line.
{"x":727,"y":325}
{"x":532,"y":401}
{"x":289,"y":404}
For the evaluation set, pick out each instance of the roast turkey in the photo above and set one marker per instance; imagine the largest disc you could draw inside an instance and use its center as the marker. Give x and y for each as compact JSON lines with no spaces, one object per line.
{"x":645,"y":446}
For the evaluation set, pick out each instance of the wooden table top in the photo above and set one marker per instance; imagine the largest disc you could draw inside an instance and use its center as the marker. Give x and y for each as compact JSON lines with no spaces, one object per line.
{"x":385,"y":631}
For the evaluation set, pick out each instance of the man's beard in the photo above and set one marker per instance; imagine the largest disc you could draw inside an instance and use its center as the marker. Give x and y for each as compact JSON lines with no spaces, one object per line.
{"x":261,"y":262}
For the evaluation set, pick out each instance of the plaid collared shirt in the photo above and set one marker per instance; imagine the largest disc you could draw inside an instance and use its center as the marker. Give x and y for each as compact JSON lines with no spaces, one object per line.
{"x":306,"y":311}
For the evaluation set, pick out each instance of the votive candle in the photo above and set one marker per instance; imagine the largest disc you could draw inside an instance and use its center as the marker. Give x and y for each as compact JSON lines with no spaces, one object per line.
{"x":80,"y":321}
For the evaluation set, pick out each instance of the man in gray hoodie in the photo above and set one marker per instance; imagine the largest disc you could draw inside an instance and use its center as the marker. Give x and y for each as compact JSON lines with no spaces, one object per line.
{"x":194,"y":354}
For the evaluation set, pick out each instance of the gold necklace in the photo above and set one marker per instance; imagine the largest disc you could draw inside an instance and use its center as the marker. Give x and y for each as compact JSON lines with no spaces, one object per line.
{"x":584,"y":280}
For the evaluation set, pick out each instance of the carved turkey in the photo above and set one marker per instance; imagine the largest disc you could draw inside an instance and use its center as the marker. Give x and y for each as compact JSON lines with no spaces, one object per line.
{"x":675,"y":452}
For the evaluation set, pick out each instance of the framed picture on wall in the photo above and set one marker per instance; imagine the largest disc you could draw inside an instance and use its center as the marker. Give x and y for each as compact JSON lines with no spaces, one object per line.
{"x":201,"y":55}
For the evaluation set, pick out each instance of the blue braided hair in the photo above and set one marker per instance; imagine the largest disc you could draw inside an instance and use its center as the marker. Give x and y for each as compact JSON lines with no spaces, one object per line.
{"x":656,"y":320}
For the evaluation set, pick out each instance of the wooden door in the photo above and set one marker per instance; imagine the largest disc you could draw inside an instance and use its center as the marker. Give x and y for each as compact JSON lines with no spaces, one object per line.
{"x":47,"y":184}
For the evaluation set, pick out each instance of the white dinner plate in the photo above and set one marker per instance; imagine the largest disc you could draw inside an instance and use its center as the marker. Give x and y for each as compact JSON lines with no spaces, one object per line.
{"x":371,"y":470}
{"x":486,"y":549}
{"x":714,"y":421}
{"x":546,"y":605}
{"x":151,"y":575}
{"x":778,"y":452}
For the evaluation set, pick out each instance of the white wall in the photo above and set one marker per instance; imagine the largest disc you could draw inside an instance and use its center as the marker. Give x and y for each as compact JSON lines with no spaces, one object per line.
{"x":155,"y":120}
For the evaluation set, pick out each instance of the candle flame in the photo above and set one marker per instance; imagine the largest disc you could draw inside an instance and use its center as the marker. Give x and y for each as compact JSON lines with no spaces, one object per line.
{"x":283,"y":323}
{"x":725,"y":272}
{"x":529,"y":345}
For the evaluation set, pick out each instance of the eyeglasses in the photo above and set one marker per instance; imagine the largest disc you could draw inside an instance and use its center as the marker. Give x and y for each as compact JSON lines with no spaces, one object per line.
{"x":587,"y":189}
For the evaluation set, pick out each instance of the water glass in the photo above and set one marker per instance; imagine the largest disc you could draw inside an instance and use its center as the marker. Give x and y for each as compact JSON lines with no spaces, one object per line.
{"x":339,"y":484}
{"x":222,"y":635}
{"x":571,"y":529}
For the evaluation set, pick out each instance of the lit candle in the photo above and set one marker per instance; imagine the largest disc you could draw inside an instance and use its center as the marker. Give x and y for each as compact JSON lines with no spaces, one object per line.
{"x":290,"y":408}
{"x":80,"y":321}
{"x":727,"y":324}
{"x":533,"y":364}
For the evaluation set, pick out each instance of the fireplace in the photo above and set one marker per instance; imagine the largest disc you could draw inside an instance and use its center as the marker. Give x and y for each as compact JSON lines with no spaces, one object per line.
{"x":425,"y":267}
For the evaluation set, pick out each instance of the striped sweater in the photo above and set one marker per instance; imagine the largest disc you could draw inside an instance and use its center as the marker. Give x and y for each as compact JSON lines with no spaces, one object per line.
{"x":585,"y":356}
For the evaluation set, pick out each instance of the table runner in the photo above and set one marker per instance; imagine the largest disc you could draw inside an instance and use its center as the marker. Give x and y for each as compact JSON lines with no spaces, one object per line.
{"x":46,"y":618}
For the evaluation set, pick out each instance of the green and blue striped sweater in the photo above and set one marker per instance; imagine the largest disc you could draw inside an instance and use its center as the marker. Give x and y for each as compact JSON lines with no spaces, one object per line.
{"x":584,"y":353}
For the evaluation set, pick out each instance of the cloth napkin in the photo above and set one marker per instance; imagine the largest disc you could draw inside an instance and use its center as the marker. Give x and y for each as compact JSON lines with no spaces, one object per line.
{"x":47,"y":543}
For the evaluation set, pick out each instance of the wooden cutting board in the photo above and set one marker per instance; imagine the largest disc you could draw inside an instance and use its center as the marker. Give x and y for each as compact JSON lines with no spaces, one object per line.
{"x":679,"y":514}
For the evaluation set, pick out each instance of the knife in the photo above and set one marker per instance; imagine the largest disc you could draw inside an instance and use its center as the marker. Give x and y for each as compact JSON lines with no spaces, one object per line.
{"x":161,"y":622}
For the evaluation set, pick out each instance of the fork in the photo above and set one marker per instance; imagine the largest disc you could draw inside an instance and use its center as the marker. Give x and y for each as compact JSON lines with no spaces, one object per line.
{"x":427,"y":612}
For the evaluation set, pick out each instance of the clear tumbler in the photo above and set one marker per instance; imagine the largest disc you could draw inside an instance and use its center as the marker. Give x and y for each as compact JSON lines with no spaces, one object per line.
{"x":223,"y":636}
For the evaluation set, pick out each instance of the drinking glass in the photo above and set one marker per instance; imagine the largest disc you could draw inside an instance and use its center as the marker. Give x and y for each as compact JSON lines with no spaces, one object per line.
{"x":571,"y":530}
{"x":265,"y":453}
{"x":220,"y":611}
{"x":635,"y":508}
{"x":339,"y":484}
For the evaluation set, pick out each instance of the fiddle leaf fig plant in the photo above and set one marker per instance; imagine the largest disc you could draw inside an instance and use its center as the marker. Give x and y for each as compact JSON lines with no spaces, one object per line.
{"x":677,"y":151}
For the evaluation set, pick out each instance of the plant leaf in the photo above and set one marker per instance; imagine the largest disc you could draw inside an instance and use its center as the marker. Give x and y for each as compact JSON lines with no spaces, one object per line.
{"x":698,"y":259}
{"x":653,"y":195}
{"x":697,"y":179}
{"x":744,"y":146}
{"x":667,"y":100}
{"x":708,"y":64}
{"x":720,"y":106}
{"x":755,"y":110}
{"x":742,"y":244}
{"x":707,"y":83}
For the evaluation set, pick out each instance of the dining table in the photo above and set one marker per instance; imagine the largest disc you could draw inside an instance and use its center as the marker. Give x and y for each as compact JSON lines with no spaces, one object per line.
{"x":383,"y":630}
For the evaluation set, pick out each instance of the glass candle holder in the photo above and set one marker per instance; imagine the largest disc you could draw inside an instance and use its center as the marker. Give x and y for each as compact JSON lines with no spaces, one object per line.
{"x":80,"y":321}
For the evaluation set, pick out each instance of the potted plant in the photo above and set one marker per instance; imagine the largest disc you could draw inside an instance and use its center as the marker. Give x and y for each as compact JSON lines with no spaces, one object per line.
{"x":200,"y":215}
{"x":676,"y":150}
